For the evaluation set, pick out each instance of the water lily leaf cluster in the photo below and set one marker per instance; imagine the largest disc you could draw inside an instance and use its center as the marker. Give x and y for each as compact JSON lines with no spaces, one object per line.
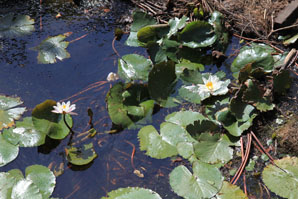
{"x":15,"y":25}
{"x":38,"y":183}
{"x":81,"y":155}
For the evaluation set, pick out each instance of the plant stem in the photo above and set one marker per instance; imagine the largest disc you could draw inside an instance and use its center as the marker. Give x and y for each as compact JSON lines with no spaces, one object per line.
{"x":64,"y":118}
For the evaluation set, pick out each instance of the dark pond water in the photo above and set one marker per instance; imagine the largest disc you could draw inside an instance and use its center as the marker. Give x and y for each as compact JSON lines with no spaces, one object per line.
{"x":92,"y":58}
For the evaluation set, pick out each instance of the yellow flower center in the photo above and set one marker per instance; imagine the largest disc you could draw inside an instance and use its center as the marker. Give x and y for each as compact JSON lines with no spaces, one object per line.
{"x":209,"y":85}
{"x":63,"y":106}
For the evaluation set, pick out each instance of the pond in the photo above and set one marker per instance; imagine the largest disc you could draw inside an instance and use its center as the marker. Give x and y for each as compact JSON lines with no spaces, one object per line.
{"x":82,"y":80}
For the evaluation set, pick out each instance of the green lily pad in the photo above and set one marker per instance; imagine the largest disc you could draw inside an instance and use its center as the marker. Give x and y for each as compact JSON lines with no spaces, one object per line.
{"x":128,"y":104}
{"x":132,"y":193}
{"x":9,"y":112}
{"x":282,"y":82}
{"x":25,"y":189}
{"x":24,"y":134}
{"x":283,"y":180}
{"x":184,"y":118}
{"x":176,"y":25}
{"x":242,"y":111}
{"x":140,"y":20}
{"x":230,"y":191}
{"x":197,"y":34}
{"x":15,"y":26}
{"x":49,"y":123}
{"x":185,"y":149}
{"x":162,"y":80}
{"x":205,"y":181}
{"x":52,"y":48}
{"x":254,"y":95}
{"x":134,"y":67}
{"x":81,"y":155}
{"x":152,"y":33}
{"x":190,"y":71}
{"x":43,"y":178}
{"x":8,"y":151}
{"x":259,"y":55}
{"x":6,"y":183}
{"x":213,"y":149}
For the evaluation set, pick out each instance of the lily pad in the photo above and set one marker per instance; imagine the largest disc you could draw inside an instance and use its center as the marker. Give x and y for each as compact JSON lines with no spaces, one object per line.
{"x":81,"y":155}
{"x":242,"y":111}
{"x":190,"y":71}
{"x":162,"y":80}
{"x":9,"y":112}
{"x":24,"y":134}
{"x":134,"y":67}
{"x":176,"y":25}
{"x":15,"y":26}
{"x":132,"y":193}
{"x":25,"y":189}
{"x":282,"y":180}
{"x":52,"y":48}
{"x":205,"y":181}
{"x":140,"y":20}
{"x":6,"y":183}
{"x":230,"y":191}
{"x":8,"y":151}
{"x":49,"y":123}
{"x":152,"y":33}
{"x":197,"y":34}
{"x":213,"y":149}
{"x":43,"y":178}
{"x":184,"y":118}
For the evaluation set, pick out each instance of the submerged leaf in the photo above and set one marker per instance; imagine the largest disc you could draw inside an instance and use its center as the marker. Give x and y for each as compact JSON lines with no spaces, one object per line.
{"x":8,"y":151}
{"x":132,"y":193}
{"x":52,"y":48}
{"x":283,"y":178}
{"x":9,"y":112}
{"x":14,"y":26}
{"x":81,"y":155}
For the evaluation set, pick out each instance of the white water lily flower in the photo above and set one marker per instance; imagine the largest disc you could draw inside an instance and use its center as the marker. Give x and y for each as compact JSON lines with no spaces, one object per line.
{"x":64,"y":108}
{"x":112,"y":77}
{"x":213,"y":86}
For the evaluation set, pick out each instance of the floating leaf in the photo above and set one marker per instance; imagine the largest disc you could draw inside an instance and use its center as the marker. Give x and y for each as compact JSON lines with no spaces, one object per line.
{"x":9,"y":112}
{"x":253,"y":94}
{"x":52,"y":48}
{"x":15,"y":26}
{"x":230,"y":191}
{"x":129,"y":104}
{"x":205,"y":181}
{"x":213,"y":149}
{"x":140,"y":20}
{"x":49,"y":123}
{"x":43,"y":178}
{"x":190,"y":71}
{"x":282,"y":82}
{"x":283,"y":178}
{"x":258,"y":55}
{"x":291,"y":40}
{"x":8,"y":151}
{"x":242,"y":111}
{"x":134,"y":67}
{"x":6,"y":183}
{"x":132,"y":193}
{"x":81,"y":155}
{"x":24,"y":134}
{"x":25,"y":189}
{"x":184,"y":118}
{"x":176,"y":25}
{"x":185,"y":149}
{"x":162,"y":80}
{"x":152,"y":33}
{"x":197,"y":34}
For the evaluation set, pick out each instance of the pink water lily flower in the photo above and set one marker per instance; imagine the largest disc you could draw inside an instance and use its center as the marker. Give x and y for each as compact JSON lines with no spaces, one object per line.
{"x":64,"y":108}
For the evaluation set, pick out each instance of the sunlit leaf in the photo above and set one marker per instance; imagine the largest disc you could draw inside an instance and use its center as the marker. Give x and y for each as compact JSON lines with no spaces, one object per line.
{"x":24,"y":134}
{"x":259,"y":55}
{"x":140,"y":20}
{"x":81,"y":155}
{"x":8,"y":151}
{"x":197,"y":34}
{"x":9,"y":112}
{"x":152,"y":33}
{"x":14,"y":26}
{"x":25,"y":189}
{"x":176,"y":25}
{"x":185,"y":149}
{"x":213,"y":149}
{"x":189,"y":71}
{"x":205,"y":181}
{"x":241,"y":110}
{"x":162,"y":80}
{"x":230,"y":191}
{"x":43,"y":178}
{"x":283,"y":178}
{"x":49,"y":123}
{"x":132,"y":193}
{"x":291,"y":40}
{"x":184,"y":118}
{"x":52,"y":48}
{"x":134,"y":67}
{"x":7,"y":181}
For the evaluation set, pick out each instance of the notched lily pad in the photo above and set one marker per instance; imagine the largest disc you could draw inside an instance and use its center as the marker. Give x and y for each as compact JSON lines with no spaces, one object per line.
{"x":9,"y":111}
{"x":15,"y":26}
{"x":8,"y":151}
{"x":132,"y":193}
{"x":52,"y":48}
{"x":81,"y":155}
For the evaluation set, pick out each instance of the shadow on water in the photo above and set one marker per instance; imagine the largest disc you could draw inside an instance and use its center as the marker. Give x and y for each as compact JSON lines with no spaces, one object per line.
{"x":92,"y":58}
